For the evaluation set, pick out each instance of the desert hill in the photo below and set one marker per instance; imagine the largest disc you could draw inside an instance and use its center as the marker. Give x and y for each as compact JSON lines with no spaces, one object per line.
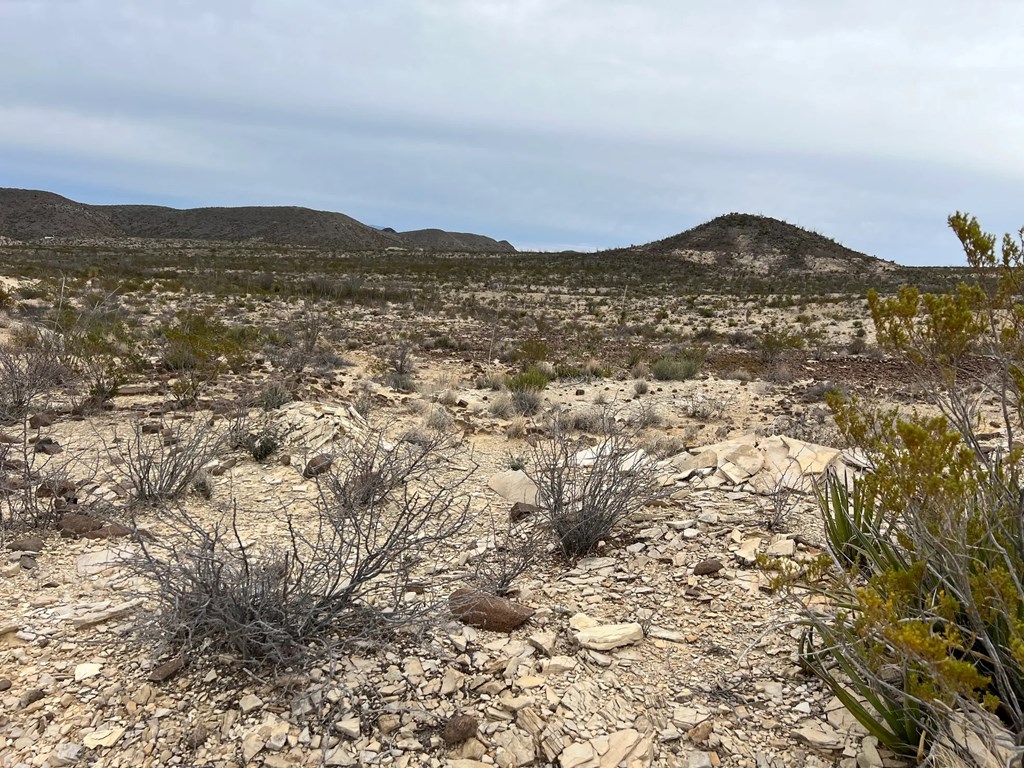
{"x":32,"y":214}
{"x":761,"y":244}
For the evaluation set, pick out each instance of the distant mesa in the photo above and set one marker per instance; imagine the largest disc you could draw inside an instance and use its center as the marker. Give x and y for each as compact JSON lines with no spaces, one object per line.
{"x":32,"y":214}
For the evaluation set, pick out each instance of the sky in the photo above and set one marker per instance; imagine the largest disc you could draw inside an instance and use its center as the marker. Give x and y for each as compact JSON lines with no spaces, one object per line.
{"x":553,"y":124}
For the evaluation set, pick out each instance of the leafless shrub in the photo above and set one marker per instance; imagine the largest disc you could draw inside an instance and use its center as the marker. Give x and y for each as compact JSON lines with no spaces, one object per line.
{"x":782,"y":498}
{"x":516,"y":547}
{"x":641,"y":387}
{"x":26,"y":373}
{"x":645,"y":415}
{"x":585,"y":491}
{"x":162,"y":465}
{"x":439,"y":418}
{"x":707,"y":405}
{"x":35,"y":487}
{"x":382,"y":523}
{"x":399,"y":366}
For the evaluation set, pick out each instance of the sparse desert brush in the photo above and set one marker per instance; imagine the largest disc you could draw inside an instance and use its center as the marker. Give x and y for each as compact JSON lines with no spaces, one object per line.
{"x":527,"y":402}
{"x":284,"y":601}
{"x":683,"y":364}
{"x":501,"y":405}
{"x":439,"y":419}
{"x":533,"y":379}
{"x":494,"y":380}
{"x":584,"y":490}
{"x":641,"y":387}
{"x":920,"y":632}
{"x":517,"y":428}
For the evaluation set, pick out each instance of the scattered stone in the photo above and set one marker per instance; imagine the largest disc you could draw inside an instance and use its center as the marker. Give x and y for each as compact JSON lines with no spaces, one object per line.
{"x":197,"y":737}
{"x":31,"y":696}
{"x":48,"y":446}
{"x":605,"y":637}
{"x":26,"y":544}
{"x":521,"y":510}
{"x":5,"y":684}
{"x":99,"y":617}
{"x":249,"y":703}
{"x":784,"y":547}
{"x":85,"y":671}
{"x":513,"y":485}
{"x":707,"y":567}
{"x":459,"y":728}
{"x":166,"y":670}
{"x":820,"y":735}
{"x":75,"y":525}
{"x":479,"y":609}
{"x":318,"y":465}
{"x":67,"y":753}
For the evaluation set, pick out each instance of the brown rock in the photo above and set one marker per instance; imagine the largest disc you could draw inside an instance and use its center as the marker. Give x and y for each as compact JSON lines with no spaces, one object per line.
{"x":40,"y":420}
{"x":521,"y":510}
{"x":318,"y":465}
{"x":5,"y":684}
{"x":75,"y":524}
{"x":62,"y":489}
{"x":27,"y":562}
{"x":198,"y":736}
{"x":707,"y":567}
{"x":31,"y":696}
{"x":458,"y":729}
{"x":166,"y":670}
{"x":108,"y":531}
{"x":48,"y":446}
{"x":26,"y":544}
{"x":490,"y":612}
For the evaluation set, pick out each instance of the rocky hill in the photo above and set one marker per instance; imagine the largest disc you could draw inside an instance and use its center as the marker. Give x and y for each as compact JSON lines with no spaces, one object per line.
{"x":760,"y":244}
{"x":31,"y":214}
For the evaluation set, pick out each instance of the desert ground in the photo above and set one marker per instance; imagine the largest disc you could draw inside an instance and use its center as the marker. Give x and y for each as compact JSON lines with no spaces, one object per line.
{"x":666,"y":644}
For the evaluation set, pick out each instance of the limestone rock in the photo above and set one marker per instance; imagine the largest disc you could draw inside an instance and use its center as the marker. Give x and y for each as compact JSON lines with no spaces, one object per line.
{"x":605,"y":637}
{"x":513,"y":485}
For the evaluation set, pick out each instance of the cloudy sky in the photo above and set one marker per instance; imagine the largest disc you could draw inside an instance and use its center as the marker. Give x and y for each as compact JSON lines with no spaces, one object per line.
{"x":551,"y":123}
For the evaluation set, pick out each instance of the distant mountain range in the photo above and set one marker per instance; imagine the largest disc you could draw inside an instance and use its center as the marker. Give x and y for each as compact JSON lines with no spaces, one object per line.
{"x":738,"y":242}
{"x":27,"y":214}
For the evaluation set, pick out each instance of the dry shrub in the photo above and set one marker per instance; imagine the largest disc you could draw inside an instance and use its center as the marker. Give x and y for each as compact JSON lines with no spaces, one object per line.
{"x":585,"y":491}
{"x":382,"y":523}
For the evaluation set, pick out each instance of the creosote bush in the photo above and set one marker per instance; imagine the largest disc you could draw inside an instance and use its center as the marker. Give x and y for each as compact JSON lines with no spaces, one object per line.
{"x":382,"y":521}
{"x":919,"y":623}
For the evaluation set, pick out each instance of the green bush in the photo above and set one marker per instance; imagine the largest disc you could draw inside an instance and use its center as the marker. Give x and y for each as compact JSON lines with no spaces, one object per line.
{"x":531,"y":380}
{"x":683,"y":365}
{"x":918,"y":626}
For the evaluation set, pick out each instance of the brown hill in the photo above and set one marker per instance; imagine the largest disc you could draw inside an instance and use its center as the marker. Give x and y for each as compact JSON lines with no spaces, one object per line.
{"x":438,"y":239}
{"x":31,"y":214}
{"x":760,"y":244}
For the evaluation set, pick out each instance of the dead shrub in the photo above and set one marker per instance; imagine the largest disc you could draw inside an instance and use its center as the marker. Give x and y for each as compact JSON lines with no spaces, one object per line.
{"x":585,"y":491}
{"x":161,"y":465}
{"x":382,"y":523}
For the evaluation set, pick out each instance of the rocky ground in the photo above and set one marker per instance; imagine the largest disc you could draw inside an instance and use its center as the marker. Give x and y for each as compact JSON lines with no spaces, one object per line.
{"x":666,"y":647}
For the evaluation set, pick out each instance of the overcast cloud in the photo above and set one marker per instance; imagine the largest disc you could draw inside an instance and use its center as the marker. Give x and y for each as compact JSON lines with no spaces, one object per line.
{"x":550,"y":123}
